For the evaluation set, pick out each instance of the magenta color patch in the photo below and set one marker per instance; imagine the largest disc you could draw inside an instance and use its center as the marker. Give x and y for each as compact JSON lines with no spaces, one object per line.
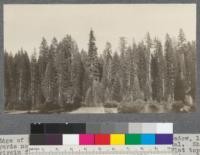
{"x":86,"y":139}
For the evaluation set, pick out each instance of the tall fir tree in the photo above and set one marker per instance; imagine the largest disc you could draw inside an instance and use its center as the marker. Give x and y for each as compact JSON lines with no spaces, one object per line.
{"x":64,"y":76}
{"x":142,"y":70}
{"x":192,"y":65}
{"x":180,"y":89}
{"x":53,"y":49}
{"x":49,"y":82}
{"x":170,"y":69}
{"x":93,"y":64}
{"x":116,"y":90}
{"x":22,"y":80}
{"x":123,"y":71}
{"x":43,"y":57}
{"x":77,"y":77}
{"x":9,"y":80}
{"x":94,"y":69}
{"x":106,"y":79}
{"x":42,"y":64}
{"x":115,"y":66}
{"x":115,"y":80}
{"x":148,"y":42}
{"x":34,"y":80}
{"x":157,"y":70}
{"x":86,"y":81}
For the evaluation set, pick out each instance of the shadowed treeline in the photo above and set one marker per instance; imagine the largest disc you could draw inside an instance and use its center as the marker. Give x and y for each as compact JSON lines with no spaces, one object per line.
{"x":144,"y":75}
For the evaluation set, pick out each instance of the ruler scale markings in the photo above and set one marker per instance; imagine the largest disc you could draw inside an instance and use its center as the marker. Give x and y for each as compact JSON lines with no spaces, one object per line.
{"x":104,"y":150}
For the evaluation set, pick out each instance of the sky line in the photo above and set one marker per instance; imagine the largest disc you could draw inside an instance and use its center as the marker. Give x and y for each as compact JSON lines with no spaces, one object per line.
{"x":26,"y":24}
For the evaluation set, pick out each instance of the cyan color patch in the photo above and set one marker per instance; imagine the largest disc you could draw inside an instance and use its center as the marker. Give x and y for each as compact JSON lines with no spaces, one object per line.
{"x":148,"y":139}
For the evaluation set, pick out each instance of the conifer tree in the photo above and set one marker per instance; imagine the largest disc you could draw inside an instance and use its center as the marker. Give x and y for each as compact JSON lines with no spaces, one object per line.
{"x":180,"y":89}
{"x":86,"y":81}
{"x":43,"y":57}
{"x":115,"y":66}
{"x":142,"y":69}
{"x":115,"y":82}
{"x":22,"y":80}
{"x":93,"y":58}
{"x":148,"y":42}
{"x":49,"y":82}
{"x":77,"y":77}
{"x":64,"y":76}
{"x":94,"y":69}
{"x":9,"y":80}
{"x":53,"y":49}
{"x":107,"y":60}
{"x":116,"y":90}
{"x":170,"y":69}
{"x":34,"y":80}
{"x":123,"y":71}
{"x":157,"y":72}
{"x":42,"y":63}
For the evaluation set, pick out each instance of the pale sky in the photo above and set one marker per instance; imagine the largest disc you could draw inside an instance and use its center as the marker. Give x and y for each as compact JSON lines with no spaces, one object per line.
{"x":25,"y":25}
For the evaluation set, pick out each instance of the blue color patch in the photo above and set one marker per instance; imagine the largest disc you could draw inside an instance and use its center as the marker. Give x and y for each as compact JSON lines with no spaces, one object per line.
{"x":148,"y":139}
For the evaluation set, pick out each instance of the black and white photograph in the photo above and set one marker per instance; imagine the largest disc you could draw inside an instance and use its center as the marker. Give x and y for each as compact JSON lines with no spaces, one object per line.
{"x":99,"y":58}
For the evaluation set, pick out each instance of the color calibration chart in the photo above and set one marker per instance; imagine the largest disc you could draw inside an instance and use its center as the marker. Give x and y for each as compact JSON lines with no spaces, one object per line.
{"x":183,"y":144}
{"x":101,"y":138}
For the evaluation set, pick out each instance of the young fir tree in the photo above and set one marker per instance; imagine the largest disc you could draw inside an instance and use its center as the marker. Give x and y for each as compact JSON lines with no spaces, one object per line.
{"x":115,"y":66}
{"x":136,"y":92}
{"x":115,"y":82}
{"x":116,"y":90}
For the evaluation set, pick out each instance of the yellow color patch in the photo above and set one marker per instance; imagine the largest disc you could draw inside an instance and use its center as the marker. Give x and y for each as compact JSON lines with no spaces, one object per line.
{"x":117,"y":139}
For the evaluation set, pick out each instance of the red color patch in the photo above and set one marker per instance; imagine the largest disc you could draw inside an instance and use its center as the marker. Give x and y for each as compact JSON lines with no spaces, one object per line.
{"x":102,"y":139}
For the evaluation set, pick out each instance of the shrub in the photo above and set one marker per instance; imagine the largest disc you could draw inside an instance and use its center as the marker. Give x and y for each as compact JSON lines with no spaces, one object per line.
{"x":70,"y":107}
{"x":135,"y":107}
{"x":73,"y":104}
{"x":111,"y":104}
{"x":10,"y":106}
{"x":49,"y":107}
{"x":21,"y":107}
{"x":158,"y":107}
{"x":177,"y":105}
{"x":139,"y":101}
{"x":153,"y":108}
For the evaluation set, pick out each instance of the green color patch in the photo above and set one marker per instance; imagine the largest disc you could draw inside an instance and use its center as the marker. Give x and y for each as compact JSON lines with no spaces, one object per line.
{"x":133,"y":139}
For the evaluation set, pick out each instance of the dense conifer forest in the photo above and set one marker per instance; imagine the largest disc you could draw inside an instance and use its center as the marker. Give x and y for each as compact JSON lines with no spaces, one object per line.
{"x":148,"y":76}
